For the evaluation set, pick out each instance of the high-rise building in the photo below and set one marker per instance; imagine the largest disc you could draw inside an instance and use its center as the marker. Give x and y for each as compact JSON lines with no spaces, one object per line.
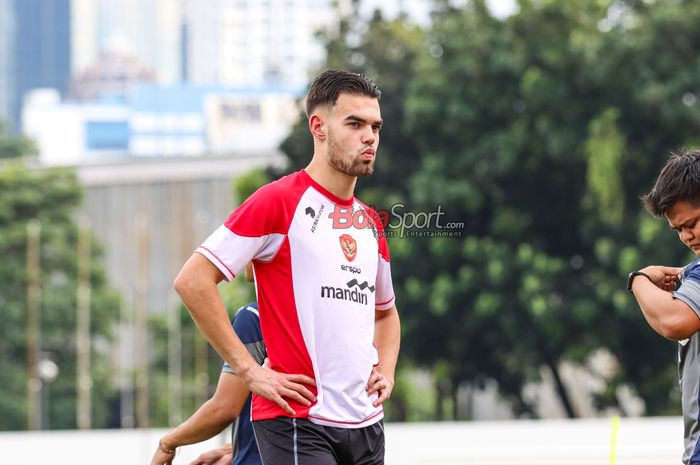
{"x":7,"y":44}
{"x":256,"y":42}
{"x":112,"y":77}
{"x":84,"y":35}
{"x":37,"y":51}
{"x":149,"y":30}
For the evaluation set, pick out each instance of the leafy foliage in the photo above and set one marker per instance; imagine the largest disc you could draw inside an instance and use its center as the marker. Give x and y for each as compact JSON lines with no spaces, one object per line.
{"x":13,"y":146}
{"x":50,"y":197}
{"x":539,"y":132}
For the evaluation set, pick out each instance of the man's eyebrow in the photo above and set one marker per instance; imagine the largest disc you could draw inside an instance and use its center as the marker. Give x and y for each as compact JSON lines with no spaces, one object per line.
{"x":685,"y":223}
{"x":359,"y":119}
{"x":674,"y":227}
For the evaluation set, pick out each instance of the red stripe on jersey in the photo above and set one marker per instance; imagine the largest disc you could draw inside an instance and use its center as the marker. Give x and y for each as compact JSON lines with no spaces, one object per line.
{"x":279,"y":322}
{"x":383,"y":247}
{"x":270,"y":210}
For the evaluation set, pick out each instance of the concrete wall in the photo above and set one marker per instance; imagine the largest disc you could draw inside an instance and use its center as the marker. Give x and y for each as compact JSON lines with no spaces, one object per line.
{"x":150,"y":215}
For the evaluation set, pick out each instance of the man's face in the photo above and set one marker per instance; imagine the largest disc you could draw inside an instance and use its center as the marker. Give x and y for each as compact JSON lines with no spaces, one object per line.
{"x":353,"y":134}
{"x":684,"y":218}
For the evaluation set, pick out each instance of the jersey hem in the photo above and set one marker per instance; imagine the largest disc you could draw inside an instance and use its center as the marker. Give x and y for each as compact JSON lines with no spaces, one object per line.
{"x":348,"y":424}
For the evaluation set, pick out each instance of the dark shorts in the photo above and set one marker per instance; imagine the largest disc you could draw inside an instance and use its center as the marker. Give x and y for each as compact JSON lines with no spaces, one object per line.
{"x":296,"y":441}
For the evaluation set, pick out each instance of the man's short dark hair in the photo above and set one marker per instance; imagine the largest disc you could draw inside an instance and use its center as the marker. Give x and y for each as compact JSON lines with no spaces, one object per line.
{"x":328,"y":85}
{"x":678,"y":181}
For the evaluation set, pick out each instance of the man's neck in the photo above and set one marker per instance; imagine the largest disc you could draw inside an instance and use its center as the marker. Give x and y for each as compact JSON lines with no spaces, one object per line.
{"x":336,"y":182}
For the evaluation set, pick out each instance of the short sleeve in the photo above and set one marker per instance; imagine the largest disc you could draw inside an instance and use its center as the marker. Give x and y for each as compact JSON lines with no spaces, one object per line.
{"x":689,"y":291}
{"x":255,"y":230}
{"x":246,"y":324}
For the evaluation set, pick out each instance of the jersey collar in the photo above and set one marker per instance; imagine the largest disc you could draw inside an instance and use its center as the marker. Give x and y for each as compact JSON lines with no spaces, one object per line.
{"x":326,"y":192}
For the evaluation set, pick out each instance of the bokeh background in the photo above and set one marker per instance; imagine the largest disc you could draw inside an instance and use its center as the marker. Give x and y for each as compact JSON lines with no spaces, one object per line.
{"x":131,"y":129}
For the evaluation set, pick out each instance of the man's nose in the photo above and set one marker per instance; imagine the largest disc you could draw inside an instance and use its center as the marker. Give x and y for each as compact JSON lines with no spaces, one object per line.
{"x":687,"y":234}
{"x":368,"y":136}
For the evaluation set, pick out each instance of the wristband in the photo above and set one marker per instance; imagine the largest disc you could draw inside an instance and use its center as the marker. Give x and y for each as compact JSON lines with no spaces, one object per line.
{"x":631,"y":277}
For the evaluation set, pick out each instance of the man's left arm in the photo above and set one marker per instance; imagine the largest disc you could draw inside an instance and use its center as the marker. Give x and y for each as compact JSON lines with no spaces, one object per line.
{"x":387,"y":340}
{"x":208,"y":421}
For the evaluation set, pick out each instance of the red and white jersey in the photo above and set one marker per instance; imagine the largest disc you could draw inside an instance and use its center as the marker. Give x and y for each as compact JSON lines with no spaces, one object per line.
{"x":317,"y":287}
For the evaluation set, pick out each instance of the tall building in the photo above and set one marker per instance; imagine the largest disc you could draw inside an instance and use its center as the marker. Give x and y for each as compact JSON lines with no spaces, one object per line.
{"x":7,"y":44}
{"x":112,"y":77}
{"x":38,"y":49}
{"x":84,"y":35}
{"x":256,"y":42}
{"x":150,"y":30}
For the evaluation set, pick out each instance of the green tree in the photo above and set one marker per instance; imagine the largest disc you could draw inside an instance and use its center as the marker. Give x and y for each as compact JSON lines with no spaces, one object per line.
{"x":539,"y":132}
{"x":14,"y":146}
{"x":562,"y":120}
{"x":52,"y":198}
{"x":654,"y":101}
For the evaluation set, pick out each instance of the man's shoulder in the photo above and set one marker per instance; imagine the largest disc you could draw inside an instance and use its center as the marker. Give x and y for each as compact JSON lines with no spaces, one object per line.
{"x":279,"y":195}
{"x":248,"y":312}
{"x":246,"y":323}
{"x":293,"y":181}
{"x":269,"y":209}
{"x":692,"y":270}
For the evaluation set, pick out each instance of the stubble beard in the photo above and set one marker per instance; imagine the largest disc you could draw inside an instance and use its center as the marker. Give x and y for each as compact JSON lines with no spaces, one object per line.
{"x":354,"y":167}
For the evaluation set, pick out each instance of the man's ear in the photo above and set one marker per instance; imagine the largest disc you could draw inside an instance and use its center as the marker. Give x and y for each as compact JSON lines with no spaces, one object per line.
{"x":317,"y":126}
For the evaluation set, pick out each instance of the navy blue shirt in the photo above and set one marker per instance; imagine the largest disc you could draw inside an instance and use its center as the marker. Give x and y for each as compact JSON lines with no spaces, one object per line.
{"x":246,"y":323}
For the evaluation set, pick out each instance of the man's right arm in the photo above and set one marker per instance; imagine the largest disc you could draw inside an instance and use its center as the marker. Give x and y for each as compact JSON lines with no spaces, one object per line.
{"x":196,"y":284}
{"x":670,"y":317}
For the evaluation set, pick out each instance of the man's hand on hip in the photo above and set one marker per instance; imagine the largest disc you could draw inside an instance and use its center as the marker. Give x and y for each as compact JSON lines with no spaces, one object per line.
{"x":276,"y":386}
{"x":380,"y":384}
